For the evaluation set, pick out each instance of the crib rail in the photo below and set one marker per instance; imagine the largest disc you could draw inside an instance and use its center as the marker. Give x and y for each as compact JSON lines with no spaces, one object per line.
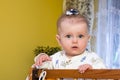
{"x":73,"y":73}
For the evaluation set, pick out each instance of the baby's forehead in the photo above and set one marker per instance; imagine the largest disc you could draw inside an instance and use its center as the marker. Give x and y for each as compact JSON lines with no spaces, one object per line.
{"x":77,"y":26}
{"x":73,"y":21}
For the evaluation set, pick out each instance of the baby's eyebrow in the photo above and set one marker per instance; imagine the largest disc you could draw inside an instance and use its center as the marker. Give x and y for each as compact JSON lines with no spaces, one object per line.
{"x":82,"y":34}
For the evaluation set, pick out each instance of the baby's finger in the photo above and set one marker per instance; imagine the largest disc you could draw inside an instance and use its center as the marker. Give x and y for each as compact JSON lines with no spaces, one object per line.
{"x":81,"y":69}
{"x":38,"y":62}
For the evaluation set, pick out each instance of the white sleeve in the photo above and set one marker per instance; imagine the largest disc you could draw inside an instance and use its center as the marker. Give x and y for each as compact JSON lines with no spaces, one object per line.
{"x":97,"y":62}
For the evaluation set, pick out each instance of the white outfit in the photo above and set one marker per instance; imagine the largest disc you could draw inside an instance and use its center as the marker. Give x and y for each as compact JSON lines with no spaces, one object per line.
{"x":61,"y":61}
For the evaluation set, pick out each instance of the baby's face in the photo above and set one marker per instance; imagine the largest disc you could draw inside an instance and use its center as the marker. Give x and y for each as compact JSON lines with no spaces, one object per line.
{"x":73,"y":37}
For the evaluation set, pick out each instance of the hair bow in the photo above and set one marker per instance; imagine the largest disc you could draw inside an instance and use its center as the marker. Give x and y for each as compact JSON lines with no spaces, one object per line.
{"x":72,"y":12}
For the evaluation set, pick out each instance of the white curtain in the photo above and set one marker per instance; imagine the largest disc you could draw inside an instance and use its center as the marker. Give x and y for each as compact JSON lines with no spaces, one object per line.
{"x":108,"y":32}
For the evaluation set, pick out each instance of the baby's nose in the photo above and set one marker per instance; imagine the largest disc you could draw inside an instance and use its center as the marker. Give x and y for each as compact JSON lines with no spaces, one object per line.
{"x":75,"y":40}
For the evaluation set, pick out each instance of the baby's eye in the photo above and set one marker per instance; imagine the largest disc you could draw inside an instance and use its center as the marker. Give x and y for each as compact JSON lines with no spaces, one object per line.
{"x":80,"y":36}
{"x":68,"y":36}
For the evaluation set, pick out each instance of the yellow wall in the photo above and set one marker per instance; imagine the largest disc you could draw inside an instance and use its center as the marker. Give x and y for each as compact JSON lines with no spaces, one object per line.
{"x":25,"y":24}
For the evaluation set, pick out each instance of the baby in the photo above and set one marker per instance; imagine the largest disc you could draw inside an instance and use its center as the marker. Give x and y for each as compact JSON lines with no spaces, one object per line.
{"x":72,"y":35}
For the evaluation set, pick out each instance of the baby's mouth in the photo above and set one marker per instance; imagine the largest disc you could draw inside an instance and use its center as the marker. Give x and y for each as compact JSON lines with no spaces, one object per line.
{"x":74,"y":47}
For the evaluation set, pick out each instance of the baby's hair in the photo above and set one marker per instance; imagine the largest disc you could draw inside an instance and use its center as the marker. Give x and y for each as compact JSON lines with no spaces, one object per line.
{"x":74,"y":16}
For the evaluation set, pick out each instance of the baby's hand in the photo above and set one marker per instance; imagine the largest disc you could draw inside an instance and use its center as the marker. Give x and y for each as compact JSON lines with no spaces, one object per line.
{"x":84,"y":67}
{"x":42,"y":57}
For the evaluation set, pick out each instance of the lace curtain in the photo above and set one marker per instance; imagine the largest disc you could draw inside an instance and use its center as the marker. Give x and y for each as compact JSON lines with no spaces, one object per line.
{"x":105,"y":27}
{"x":108,"y":32}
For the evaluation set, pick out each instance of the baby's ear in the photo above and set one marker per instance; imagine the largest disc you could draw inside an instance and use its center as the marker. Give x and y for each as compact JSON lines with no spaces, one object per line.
{"x":58,"y":39}
{"x":89,"y":37}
